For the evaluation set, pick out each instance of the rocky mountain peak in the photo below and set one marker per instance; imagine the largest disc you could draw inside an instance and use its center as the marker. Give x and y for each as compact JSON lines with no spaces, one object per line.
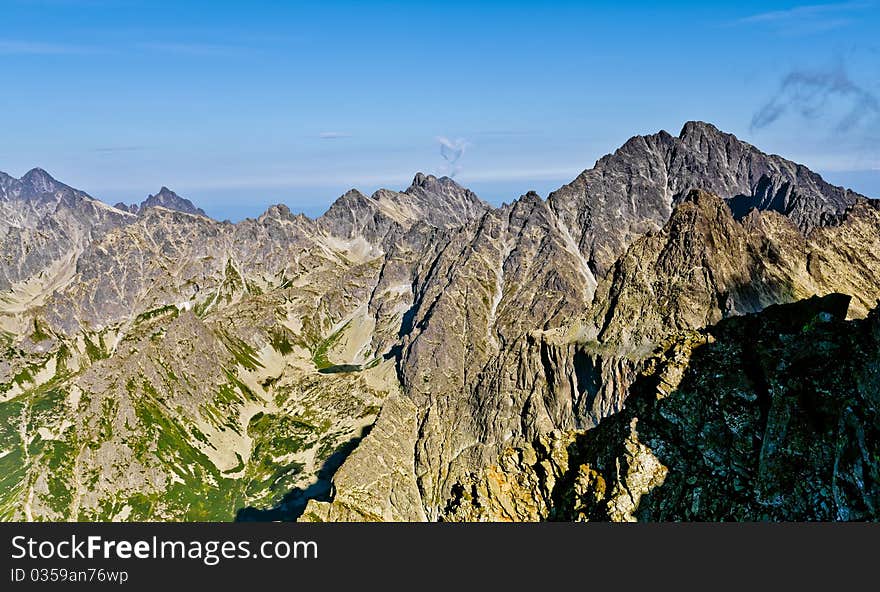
{"x":278,"y":212}
{"x":168,"y":199}
{"x":421,"y":178}
{"x":431,"y":183}
{"x":439,"y":202}
{"x":165,"y":198}
{"x":635,"y":188}
{"x":39,"y":181}
{"x":695,"y":129}
{"x":8,"y":185}
{"x":703,"y":201}
{"x":352,"y":195}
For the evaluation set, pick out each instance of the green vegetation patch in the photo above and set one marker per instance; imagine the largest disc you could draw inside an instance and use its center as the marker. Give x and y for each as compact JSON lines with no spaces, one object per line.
{"x":168,"y":310}
{"x":271,"y":472}
{"x":319,"y":354}
{"x":95,"y":351}
{"x":40,"y":333}
{"x":243,"y":352}
{"x":280,"y":342}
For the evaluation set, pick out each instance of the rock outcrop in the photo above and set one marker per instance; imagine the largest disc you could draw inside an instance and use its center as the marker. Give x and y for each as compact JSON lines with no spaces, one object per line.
{"x":634,"y":190}
{"x":768,"y":416}
{"x":164,"y":199}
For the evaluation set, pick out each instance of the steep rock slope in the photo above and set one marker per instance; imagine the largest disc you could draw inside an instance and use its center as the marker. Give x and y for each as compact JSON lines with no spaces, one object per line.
{"x":769,"y":416}
{"x":702,"y":266}
{"x":164,"y":199}
{"x":43,"y":226}
{"x":633,"y":190}
{"x":441,"y":203}
{"x":184,"y":368}
{"x":193,"y":369}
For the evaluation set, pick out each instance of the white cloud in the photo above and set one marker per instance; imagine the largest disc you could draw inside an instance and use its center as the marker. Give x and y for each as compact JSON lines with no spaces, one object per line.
{"x":333,"y":135}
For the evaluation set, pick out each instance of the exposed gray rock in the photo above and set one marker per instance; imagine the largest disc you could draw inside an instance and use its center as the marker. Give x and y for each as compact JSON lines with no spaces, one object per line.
{"x":164,"y":199}
{"x":634,"y":190}
{"x":441,"y":203}
{"x":475,"y":345}
{"x":44,"y":224}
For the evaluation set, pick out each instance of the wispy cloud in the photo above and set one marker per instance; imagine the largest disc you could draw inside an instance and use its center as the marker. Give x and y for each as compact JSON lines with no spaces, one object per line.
{"x":799,"y":12}
{"x":23,"y":47}
{"x":452,"y":151}
{"x":108,"y":149}
{"x":807,"y":19}
{"x":374,"y":178}
{"x":333,"y":135}
{"x":18,"y":47}
{"x":814,"y":94}
{"x":193,"y":49}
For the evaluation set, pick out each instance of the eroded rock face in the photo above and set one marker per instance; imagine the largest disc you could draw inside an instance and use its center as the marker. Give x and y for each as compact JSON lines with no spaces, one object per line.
{"x":633,"y":191}
{"x":570,"y":377}
{"x":702,"y":266}
{"x":167,"y":199}
{"x":189,"y":369}
{"x":769,"y":416}
{"x":44,"y":224}
{"x":413,"y":355}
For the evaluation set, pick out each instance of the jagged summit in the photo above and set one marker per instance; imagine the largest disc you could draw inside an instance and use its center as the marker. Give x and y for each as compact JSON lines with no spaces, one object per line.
{"x":40,"y":190}
{"x":430,"y":182}
{"x":635,"y":188}
{"x":439,"y":202}
{"x":170,"y":200}
{"x":165,"y":198}
{"x":37,"y":183}
{"x":421,"y":179}
{"x":695,"y":127}
{"x":467,"y":350}
{"x":277,"y":211}
{"x":39,"y":180}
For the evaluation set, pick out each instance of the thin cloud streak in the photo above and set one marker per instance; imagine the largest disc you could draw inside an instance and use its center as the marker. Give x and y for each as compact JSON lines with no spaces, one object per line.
{"x":193,"y":49}
{"x":17,"y":47}
{"x":452,"y":151}
{"x":566,"y":173}
{"x":802,"y":12}
{"x":807,"y":20}
{"x":333,"y":135}
{"x":119,"y":148}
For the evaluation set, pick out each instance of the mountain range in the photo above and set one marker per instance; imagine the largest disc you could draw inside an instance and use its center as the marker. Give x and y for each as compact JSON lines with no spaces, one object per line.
{"x":686,"y":331}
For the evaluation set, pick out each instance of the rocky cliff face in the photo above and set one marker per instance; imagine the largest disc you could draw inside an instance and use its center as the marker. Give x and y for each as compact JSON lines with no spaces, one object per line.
{"x":634,"y":190}
{"x":44,"y":224}
{"x":193,"y":369}
{"x":768,"y":416}
{"x":408,"y":355}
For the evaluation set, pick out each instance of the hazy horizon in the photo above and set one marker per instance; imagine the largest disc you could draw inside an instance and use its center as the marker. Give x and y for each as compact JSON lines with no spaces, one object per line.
{"x":237,"y":107}
{"x":236,"y":205}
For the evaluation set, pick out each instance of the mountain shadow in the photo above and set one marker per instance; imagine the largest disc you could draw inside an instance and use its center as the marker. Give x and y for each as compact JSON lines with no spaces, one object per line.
{"x":776,"y":417}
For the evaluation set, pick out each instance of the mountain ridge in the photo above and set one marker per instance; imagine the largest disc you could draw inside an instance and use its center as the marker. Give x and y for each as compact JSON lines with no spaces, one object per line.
{"x":408,"y":339}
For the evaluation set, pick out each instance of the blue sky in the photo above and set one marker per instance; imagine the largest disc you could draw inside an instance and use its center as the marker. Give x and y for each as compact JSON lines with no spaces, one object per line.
{"x":238,"y":105}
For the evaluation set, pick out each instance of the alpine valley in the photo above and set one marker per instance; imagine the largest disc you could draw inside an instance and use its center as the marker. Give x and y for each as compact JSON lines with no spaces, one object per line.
{"x":689,"y":330}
